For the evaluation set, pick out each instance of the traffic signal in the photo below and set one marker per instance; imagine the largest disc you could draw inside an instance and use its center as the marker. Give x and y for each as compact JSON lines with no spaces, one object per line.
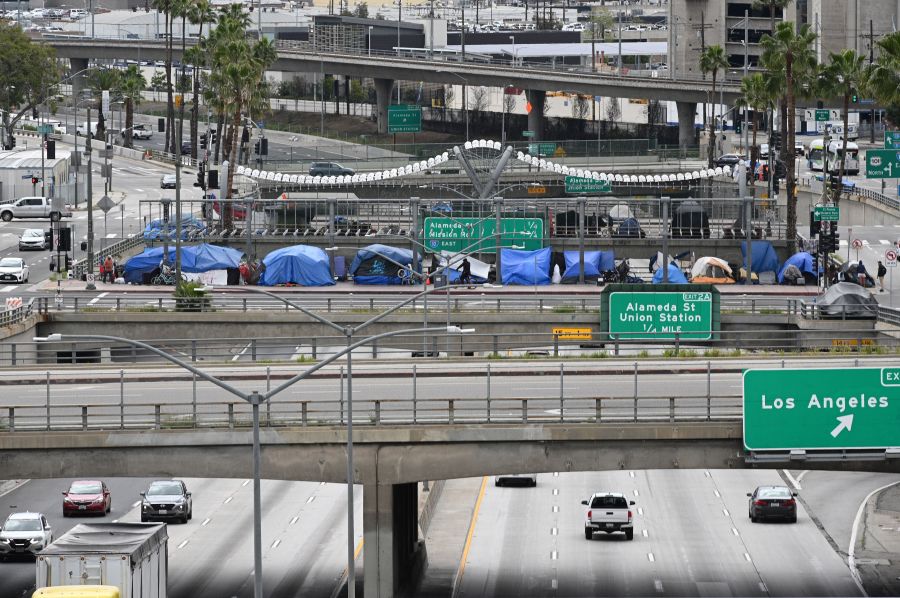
{"x":815,"y":226}
{"x":213,"y":179}
{"x":201,"y":178}
{"x":256,"y":148}
{"x":264,"y":146}
{"x":854,"y":98}
{"x":34,"y":180}
{"x":65,"y":239}
{"x":835,"y":237}
{"x":51,"y":149}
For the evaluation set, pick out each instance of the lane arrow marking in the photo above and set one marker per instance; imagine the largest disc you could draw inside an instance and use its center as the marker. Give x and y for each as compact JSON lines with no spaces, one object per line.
{"x":846,"y":422}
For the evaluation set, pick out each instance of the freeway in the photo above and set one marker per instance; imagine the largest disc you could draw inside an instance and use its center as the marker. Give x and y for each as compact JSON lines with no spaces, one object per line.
{"x":304,"y":536}
{"x":692,"y":538}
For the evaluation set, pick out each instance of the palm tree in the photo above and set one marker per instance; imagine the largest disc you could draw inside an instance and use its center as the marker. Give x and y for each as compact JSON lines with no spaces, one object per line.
{"x":181,"y":9}
{"x":132,"y":83}
{"x":165,"y":6}
{"x":771,"y":6}
{"x":788,"y":55}
{"x":844,"y":77}
{"x":100,"y":80}
{"x":200,"y":13}
{"x":712,"y":60}
{"x":883,"y":77}
{"x":756,"y":95}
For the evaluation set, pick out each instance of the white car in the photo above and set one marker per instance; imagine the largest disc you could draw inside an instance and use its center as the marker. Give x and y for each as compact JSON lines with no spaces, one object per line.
{"x":24,"y":534}
{"x":33,"y":238}
{"x":140,"y":132}
{"x":13,"y":269}
{"x":168,"y":181}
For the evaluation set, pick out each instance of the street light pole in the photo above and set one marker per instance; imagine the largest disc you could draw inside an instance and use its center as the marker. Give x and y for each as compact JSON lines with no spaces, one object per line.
{"x":90,"y":203}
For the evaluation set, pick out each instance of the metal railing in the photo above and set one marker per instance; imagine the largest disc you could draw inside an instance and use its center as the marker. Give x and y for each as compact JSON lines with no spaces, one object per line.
{"x":451,"y":411}
{"x":9,"y":317}
{"x":880,"y":198}
{"x":79,"y":268}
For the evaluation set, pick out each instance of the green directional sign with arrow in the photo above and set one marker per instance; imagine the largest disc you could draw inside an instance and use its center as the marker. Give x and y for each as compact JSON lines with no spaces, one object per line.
{"x":854,"y":408}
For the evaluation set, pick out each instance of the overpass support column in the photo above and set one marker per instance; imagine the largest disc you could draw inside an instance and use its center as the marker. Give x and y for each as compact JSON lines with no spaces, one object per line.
{"x":382,"y":101}
{"x":686,"y":115}
{"x":77,"y":65}
{"x":536,"y":98}
{"x":391,"y":528}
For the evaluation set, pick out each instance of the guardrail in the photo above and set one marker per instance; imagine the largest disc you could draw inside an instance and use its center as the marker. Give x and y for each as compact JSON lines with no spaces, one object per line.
{"x":79,"y":268}
{"x":880,"y":198}
{"x":413,"y":411}
{"x":8,"y":317}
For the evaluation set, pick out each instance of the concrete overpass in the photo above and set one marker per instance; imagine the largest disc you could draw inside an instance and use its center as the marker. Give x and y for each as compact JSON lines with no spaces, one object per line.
{"x":389,"y":460}
{"x":536,"y":80}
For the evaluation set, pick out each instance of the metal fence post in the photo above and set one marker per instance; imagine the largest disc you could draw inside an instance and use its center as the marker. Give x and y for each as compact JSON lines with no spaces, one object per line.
{"x":12,"y":354}
{"x":708,"y":390}
{"x":157,"y":417}
{"x":562,"y":378}
{"x":598,"y":404}
{"x":84,"y":413}
{"x":341,"y":396}
{"x":414,"y":392}
{"x":496,"y":345}
{"x":231,"y":415}
{"x":616,"y":345}
{"x":555,"y":345}
{"x":315,"y":348}
{"x":671,"y":409}
{"x":193,"y":350}
{"x":253,"y":350}
{"x":377,"y":412}
{"x":194,"y":399}
{"x":450,"y":411}
{"x":635,"y":390}
{"x":121,"y":399}
{"x":524,"y":411}
{"x":304,"y":413}
{"x":12,"y":419}
{"x":244,"y":304}
{"x":48,"y":400}
{"x":677,"y":342}
{"x":374,"y":349}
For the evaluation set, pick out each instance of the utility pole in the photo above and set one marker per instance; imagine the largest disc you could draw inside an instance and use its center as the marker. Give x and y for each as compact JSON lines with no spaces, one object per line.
{"x":746,"y":73}
{"x":90,"y":203}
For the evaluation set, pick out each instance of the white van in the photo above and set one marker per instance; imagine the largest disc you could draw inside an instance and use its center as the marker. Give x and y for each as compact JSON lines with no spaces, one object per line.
{"x":83,"y":129}
{"x":835,"y":150}
{"x":837,"y":131}
{"x":77,"y":13}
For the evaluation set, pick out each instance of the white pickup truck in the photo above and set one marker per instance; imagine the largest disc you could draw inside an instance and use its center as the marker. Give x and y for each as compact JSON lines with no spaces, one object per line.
{"x":608,"y":512}
{"x":32,"y":207}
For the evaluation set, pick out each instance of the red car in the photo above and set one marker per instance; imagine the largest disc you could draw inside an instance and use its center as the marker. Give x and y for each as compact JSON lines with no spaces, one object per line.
{"x":87,"y":497}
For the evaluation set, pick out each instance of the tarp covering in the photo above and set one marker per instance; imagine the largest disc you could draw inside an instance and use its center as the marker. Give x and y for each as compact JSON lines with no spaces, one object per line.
{"x":848,"y":300}
{"x":630,"y":227}
{"x":299,"y":264}
{"x":380,"y":264}
{"x":711,"y":270}
{"x":480,"y":270}
{"x":135,"y":540}
{"x":764,"y":257}
{"x":595,"y":264}
{"x":801,"y":260}
{"x":689,"y":221}
{"x":676,"y":276}
{"x":525,"y":267}
{"x":145,"y":262}
{"x":157,"y":229}
{"x":205,"y":257}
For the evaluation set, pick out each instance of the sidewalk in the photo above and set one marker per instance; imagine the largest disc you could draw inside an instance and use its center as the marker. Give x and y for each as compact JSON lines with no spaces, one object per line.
{"x":878,"y":545}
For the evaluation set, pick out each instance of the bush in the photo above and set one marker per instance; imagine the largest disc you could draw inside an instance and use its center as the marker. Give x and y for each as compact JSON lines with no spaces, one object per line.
{"x":189,"y":296}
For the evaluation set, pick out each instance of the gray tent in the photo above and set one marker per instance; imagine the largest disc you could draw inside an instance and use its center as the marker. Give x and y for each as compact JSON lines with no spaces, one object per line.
{"x":847,"y":300}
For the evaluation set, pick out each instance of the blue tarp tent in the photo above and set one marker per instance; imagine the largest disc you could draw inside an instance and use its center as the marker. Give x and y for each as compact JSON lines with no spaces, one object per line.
{"x":300,"y":264}
{"x":525,"y":267}
{"x":804,"y":262}
{"x":205,"y":257}
{"x":676,"y":276}
{"x":595,"y":264}
{"x":380,"y":264}
{"x":145,"y":262}
{"x":764,"y":256}
{"x":157,"y":229}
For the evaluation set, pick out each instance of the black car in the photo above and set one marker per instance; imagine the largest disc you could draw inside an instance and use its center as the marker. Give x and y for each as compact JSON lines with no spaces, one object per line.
{"x":186,"y":148}
{"x":167,"y":499}
{"x":729,"y":159}
{"x":329,"y":169}
{"x":772,"y":502}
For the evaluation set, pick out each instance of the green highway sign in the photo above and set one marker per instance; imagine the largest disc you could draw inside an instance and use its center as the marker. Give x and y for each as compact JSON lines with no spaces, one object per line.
{"x":892,"y":140}
{"x":45,"y":129}
{"x":577,"y":184}
{"x":541,"y":149}
{"x":463,"y":234}
{"x":661,"y":315}
{"x":827,"y":213}
{"x":834,"y":408}
{"x":527,"y":133}
{"x":822,"y":115}
{"x":882,"y":164}
{"x":404,"y":119}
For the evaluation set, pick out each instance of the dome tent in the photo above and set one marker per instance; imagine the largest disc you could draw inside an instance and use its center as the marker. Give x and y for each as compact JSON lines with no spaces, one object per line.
{"x":595,"y":264}
{"x":299,"y":264}
{"x":380,"y":264}
{"x":525,"y":267}
{"x":676,"y":276}
{"x":194,"y":258}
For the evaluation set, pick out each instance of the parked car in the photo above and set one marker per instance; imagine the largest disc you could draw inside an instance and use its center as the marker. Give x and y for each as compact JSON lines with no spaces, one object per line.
{"x":24,"y":534}
{"x":167,"y":499}
{"x":772,"y":502}
{"x":518,"y":479}
{"x":33,"y":238}
{"x":329,"y":169}
{"x":87,"y":497}
{"x":729,"y":159}
{"x":168,"y":181}
{"x":608,"y":512}
{"x":13,"y":269}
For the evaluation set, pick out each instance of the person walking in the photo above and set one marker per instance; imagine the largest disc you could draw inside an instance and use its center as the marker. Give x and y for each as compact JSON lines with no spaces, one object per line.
{"x":109,"y":269}
{"x":101,"y":269}
{"x":465,"y":276}
{"x":881,"y":273}
{"x":861,"y":274}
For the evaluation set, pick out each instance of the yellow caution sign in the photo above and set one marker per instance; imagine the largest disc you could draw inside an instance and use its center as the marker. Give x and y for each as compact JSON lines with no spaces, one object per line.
{"x":537,"y":190}
{"x":573,"y":334}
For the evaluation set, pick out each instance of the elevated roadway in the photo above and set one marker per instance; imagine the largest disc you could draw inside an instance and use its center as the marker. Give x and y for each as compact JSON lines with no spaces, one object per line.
{"x":535,"y":80}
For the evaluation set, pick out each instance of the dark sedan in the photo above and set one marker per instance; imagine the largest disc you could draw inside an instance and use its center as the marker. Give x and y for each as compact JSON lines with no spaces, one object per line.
{"x":729,"y":159}
{"x":772,"y":502}
{"x":167,"y":499}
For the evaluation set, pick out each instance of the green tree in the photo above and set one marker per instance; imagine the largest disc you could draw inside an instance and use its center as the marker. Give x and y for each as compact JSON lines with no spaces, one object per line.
{"x":713,"y":60}
{"x":166,"y":8}
{"x":883,"y":77}
{"x":601,"y":20}
{"x":772,"y":6}
{"x":132,"y":83}
{"x":100,"y":80}
{"x":789,"y":57}
{"x":756,"y":95}
{"x":361,"y":10}
{"x":844,"y":77}
{"x":200,"y":13}
{"x":158,"y":81}
{"x":28,"y":72}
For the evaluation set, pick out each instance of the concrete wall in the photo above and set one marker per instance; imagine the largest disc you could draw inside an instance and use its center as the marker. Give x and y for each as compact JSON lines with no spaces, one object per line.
{"x":845,"y":23}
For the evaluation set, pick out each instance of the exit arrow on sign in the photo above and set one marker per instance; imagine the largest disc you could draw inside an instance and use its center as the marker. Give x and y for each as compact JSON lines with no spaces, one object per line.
{"x":846,"y":424}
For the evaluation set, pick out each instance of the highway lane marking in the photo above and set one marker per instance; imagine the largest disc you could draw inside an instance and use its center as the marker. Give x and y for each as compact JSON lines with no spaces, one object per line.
{"x":851,"y":551}
{"x":97,"y":298}
{"x":310,"y":499}
{"x":554,"y":555}
{"x":727,"y":514}
{"x":884,"y":241}
{"x":555,"y":491}
{"x":294,"y":519}
{"x":276,"y":543}
{"x":800,"y":476}
{"x":556,"y":508}
{"x":239,"y":355}
{"x":706,"y":473}
{"x":228,"y":500}
{"x":554,"y":531}
{"x":554,"y":584}
{"x":747,"y":556}
{"x":636,"y":493}
{"x":468,"y":545}
{"x":205,"y":522}
{"x":245,"y":483}
{"x":135,"y":504}
{"x":734,"y":531}
{"x":794,"y":482}
{"x":631,"y":473}
{"x":183,"y":544}
{"x":658,"y":585}
{"x":640,"y":511}
{"x":650,"y":557}
{"x":716,"y":492}
{"x":645,"y":533}
{"x":8,"y":288}
{"x":763,"y":588}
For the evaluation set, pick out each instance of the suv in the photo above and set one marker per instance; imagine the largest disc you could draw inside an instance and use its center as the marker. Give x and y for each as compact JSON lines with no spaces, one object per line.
{"x":329,"y":169}
{"x":167,"y":499}
{"x":608,"y":512}
{"x":140,"y":132}
{"x":24,"y":534}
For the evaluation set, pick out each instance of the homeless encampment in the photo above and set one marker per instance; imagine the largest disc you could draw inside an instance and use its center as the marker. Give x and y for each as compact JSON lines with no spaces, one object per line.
{"x":382,"y":264}
{"x":299,"y":264}
{"x":595,"y":264}
{"x":525,"y":267}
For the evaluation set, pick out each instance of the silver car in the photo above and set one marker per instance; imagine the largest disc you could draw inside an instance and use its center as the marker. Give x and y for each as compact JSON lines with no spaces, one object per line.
{"x":33,"y":238}
{"x":24,"y":534}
